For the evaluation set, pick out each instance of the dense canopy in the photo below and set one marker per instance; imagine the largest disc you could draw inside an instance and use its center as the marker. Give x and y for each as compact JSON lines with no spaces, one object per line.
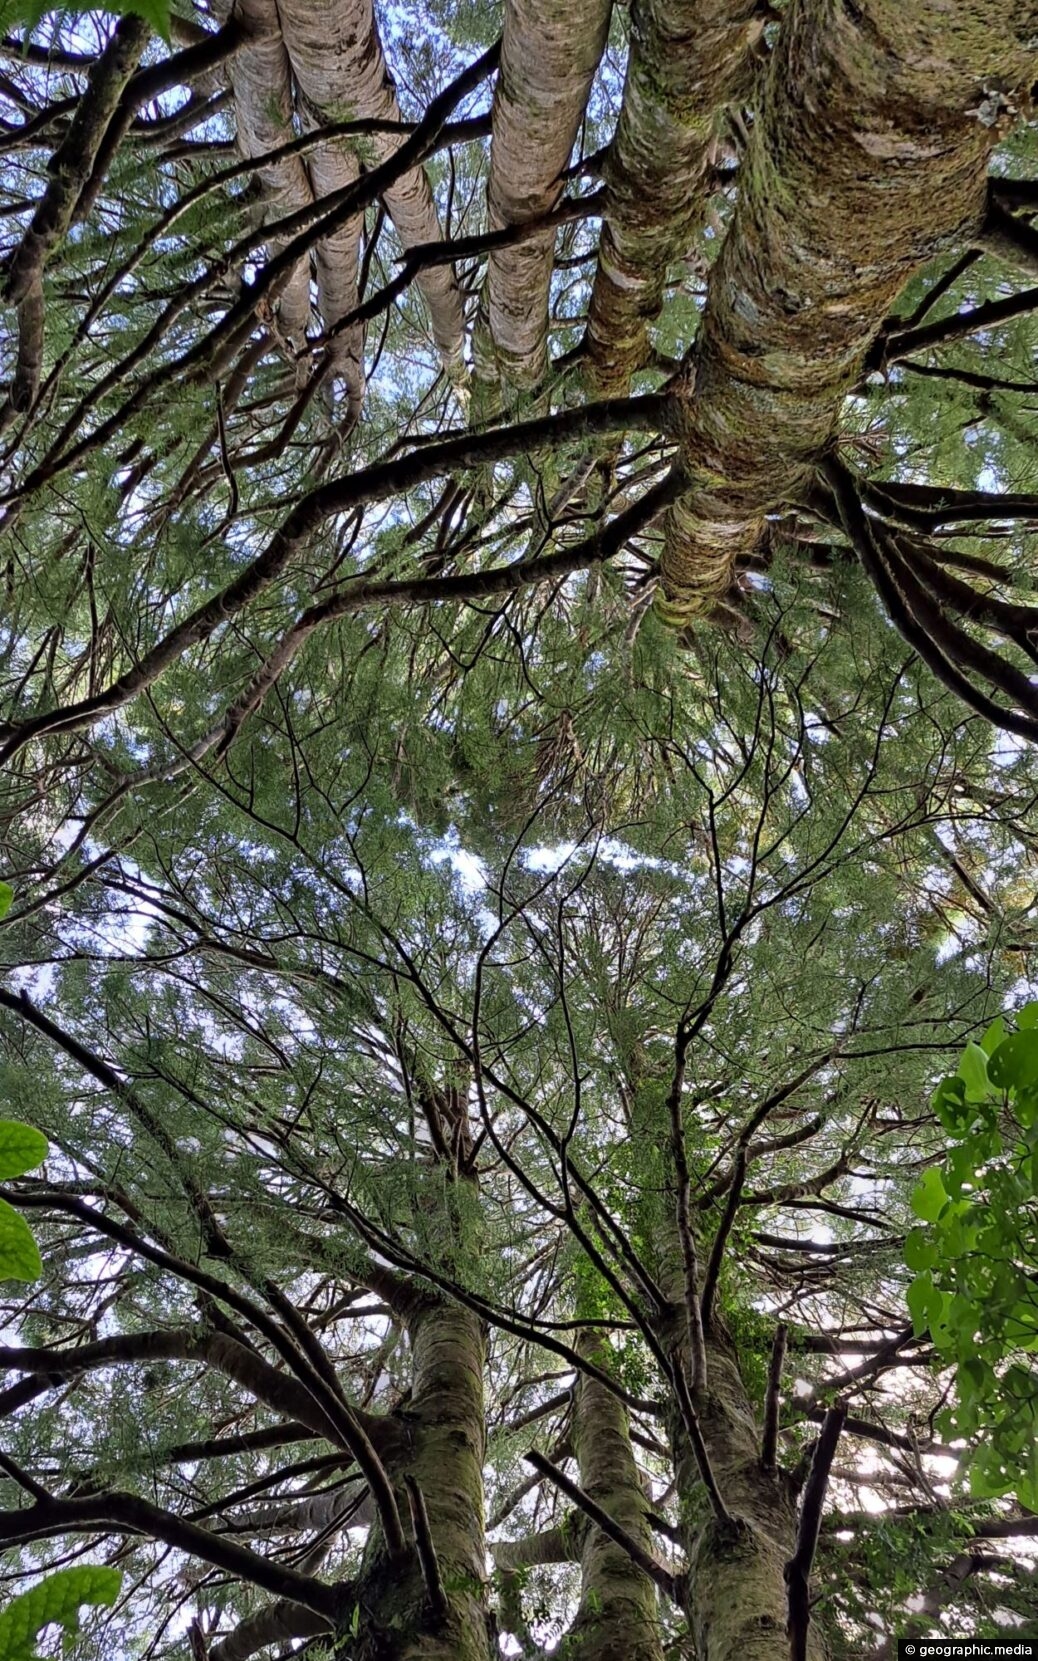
{"x":517,"y":784}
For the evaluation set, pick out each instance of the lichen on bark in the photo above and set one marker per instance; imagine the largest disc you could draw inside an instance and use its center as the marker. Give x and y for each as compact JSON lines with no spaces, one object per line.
{"x":868,"y":158}
{"x":687,"y":62}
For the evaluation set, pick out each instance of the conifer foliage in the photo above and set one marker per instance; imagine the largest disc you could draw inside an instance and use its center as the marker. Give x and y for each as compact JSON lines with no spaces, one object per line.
{"x":516,"y":713}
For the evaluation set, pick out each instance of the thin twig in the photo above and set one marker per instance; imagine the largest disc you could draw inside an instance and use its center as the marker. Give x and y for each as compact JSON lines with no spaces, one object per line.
{"x":694,"y":1432}
{"x":720,"y":1242}
{"x":426,"y":1551}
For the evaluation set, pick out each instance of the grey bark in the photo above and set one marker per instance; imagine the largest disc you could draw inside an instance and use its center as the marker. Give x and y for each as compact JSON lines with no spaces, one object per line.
{"x":550,"y":50}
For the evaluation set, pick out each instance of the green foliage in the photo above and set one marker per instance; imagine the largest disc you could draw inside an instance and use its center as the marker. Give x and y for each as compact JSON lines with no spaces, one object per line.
{"x":6,"y":899}
{"x":27,"y":13}
{"x":56,"y":1601}
{"x":975,"y":1288}
{"x":21,"y":1148}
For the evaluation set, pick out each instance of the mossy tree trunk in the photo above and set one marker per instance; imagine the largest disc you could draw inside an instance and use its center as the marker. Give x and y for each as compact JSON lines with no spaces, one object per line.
{"x":868,"y":158}
{"x":618,"y":1618}
{"x":687,"y":62}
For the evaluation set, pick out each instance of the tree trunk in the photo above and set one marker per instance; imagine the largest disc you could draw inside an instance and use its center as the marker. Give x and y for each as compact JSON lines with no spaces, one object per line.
{"x":549,"y":53}
{"x":262,"y":87}
{"x":869,"y":158}
{"x":444,"y":1425}
{"x":737,"y":1602}
{"x":687,"y":61}
{"x":618,"y":1618}
{"x":337,"y":59}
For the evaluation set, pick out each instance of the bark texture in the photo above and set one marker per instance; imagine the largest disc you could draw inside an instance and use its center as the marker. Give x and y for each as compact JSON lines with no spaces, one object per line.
{"x":262,"y":86}
{"x":868,"y":159}
{"x":340,"y":69}
{"x":69,"y":171}
{"x":737,"y":1602}
{"x":550,"y":51}
{"x":688,"y":60}
{"x":444,"y":1422}
{"x":618,"y":1618}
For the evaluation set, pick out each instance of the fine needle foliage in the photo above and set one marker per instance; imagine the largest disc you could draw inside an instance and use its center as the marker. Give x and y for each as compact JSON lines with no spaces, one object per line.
{"x":517,"y":788}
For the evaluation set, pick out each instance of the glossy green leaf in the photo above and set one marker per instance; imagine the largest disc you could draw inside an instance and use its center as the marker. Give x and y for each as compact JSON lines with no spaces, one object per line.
{"x":929,"y":1197}
{"x":19,"y":1253}
{"x":950,"y":1105}
{"x":1014,"y":1064}
{"x":22,"y":1148}
{"x":6,"y":899}
{"x":1027,"y":1017}
{"x":919,"y":1297}
{"x":56,"y":1601}
{"x":973,"y":1071}
{"x":920,"y":1251}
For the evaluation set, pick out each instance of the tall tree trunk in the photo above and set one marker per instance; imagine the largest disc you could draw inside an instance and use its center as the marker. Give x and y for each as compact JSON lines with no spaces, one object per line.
{"x":261,"y":83}
{"x":618,"y":1619}
{"x":869,"y":157}
{"x":550,"y":50}
{"x":340,"y":69}
{"x":737,"y":1600}
{"x":737,"y":1605}
{"x":688,"y":59}
{"x":442,"y":1434}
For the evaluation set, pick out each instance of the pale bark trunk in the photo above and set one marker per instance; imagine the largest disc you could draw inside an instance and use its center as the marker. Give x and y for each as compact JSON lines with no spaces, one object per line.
{"x":688,"y":59}
{"x":550,"y":51}
{"x":340,"y":69}
{"x":618,"y":1618}
{"x":869,"y":158}
{"x":737,"y":1598}
{"x":261,"y":83}
{"x":445,"y":1429}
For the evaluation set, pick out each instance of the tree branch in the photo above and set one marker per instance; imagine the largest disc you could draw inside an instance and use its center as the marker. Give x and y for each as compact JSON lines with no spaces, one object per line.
{"x":798,"y":1570}
{"x":661,"y":1577}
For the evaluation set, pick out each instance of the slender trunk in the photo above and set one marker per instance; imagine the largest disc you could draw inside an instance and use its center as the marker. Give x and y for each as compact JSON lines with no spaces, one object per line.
{"x":618,"y":1619}
{"x":340,"y":69}
{"x":688,"y":60}
{"x":868,"y":158}
{"x":549,"y":53}
{"x":261,"y":83}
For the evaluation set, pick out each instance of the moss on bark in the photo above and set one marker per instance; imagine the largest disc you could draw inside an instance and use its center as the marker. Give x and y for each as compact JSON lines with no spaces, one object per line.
{"x":687,"y":62}
{"x":869,"y":158}
{"x":617,"y":1619}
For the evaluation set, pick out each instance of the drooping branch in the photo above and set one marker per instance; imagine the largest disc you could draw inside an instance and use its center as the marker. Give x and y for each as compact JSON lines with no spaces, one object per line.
{"x":661,"y":1577}
{"x":127,"y":1512}
{"x":372,"y":484}
{"x":916,"y":599}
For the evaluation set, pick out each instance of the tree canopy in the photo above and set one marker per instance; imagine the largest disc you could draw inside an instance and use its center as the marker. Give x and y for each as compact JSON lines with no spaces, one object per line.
{"x":520,"y":1093}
